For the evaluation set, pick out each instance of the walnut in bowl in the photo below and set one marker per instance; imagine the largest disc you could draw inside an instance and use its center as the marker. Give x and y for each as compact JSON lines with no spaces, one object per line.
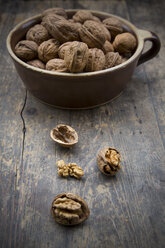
{"x":64,"y":135}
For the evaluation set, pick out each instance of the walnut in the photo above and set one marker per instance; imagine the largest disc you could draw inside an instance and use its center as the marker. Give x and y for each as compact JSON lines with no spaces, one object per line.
{"x":96,"y":19}
{"x":37,"y":63}
{"x":70,"y":169}
{"x":125,"y":43}
{"x":26,"y":50}
{"x":56,"y":11}
{"x":62,"y":30}
{"x":52,"y":18}
{"x":37,"y":33}
{"x":94,"y":34}
{"x":82,"y":16}
{"x":112,"y":59}
{"x":108,"y":161}
{"x":69,"y":209}
{"x":113,"y":25}
{"x":64,"y":135}
{"x":108,"y":47}
{"x":76,"y":56}
{"x":96,"y":60}
{"x":63,"y":48}
{"x":48,"y":50}
{"x":56,"y":65}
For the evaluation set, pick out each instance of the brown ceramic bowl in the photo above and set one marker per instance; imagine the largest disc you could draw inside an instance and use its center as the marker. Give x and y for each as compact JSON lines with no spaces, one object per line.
{"x":80,"y":90}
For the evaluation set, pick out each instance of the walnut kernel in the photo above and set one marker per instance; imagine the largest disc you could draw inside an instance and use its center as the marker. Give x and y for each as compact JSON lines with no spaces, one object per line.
{"x":108,"y":161}
{"x":26,"y":50}
{"x":69,"y":209}
{"x":56,"y":65}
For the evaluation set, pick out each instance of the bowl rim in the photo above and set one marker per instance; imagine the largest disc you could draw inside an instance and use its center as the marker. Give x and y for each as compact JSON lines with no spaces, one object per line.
{"x":81,"y":74}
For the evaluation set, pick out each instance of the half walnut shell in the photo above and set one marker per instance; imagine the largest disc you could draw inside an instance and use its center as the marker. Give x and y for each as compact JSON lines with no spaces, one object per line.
{"x":69,"y":209}
{"x":64,"y":135}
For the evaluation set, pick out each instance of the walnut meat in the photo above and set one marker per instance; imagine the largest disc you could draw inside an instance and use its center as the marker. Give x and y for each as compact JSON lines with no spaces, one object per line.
{"x":108,"y":161}
{"x":56,"y":11}
{"x":37,"y":63}
{"x":76,"y":56}
{"x":61,"y":30}
{"x":26,"y":50}
{"x":64,"y":135}
{"x":96,"y":60}
{"x":112,"y":59}
{"x":113,"y":25}
{"x":48,"y":50}
{"x":70,"y":169}
{"x":69,"y":209}
{"x":125,"y":43}
{"x":94,"y":34}
{"x":56,"y":65}
{"x":108,"y":47}
{"x":82,"y":16}
{"x":37,"y":33}
{"x":63,"y":48}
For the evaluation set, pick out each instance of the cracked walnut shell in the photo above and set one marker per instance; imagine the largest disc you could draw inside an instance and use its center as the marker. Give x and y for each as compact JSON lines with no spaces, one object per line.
{"x":64,"y":135}
{"x":37,"y":33}
{"x":96,"y":60}
{"x":76,"y":56}
{"x":125,"y":43}
{"x":108,"y":161}
{"x":94,"y":34}
{"x":26,"y":50}
{"x":69,"y":209}
{"x":48,"y":50}
{"x":113,"y":25}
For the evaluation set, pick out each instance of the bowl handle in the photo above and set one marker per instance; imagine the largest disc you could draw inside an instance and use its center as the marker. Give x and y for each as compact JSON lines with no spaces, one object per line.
{"x":153,"y":51}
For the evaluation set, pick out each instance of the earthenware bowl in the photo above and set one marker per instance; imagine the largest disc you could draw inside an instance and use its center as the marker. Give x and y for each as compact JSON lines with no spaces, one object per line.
{"x":80,"y":90}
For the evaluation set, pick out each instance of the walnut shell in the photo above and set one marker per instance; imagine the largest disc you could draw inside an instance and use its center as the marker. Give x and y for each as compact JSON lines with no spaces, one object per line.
{"x":64,"y":135}
{"x":56,"y":11}
{"x":48,"y":50}
{"x":96,"y":60}
{"x":82,"y":16}
{"x":62,"y":30}
{"x":69,"y":209}
{"x":37,"y":63}
{"x":113,"y":25}
{"x":125,"y":43}
{"x":112,"y":59}
{"x":108,"y":161}
{"x":94,"y":34}
{"x":63,"y":48}
{"x":96,"y":19}
{"x":56,"y":65}
{"x":108,"y":47}
{"x":37,"y":33}
{"x":76,"y":56}
{"x":26,"y":50}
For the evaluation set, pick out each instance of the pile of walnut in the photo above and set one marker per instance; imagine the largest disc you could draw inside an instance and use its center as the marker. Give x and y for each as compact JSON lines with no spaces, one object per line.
{"x":70,"y":169}
{"x":84,"y":43}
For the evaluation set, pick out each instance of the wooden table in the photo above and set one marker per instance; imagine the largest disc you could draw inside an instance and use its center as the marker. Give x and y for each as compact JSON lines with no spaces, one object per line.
{"x":127,"y":210}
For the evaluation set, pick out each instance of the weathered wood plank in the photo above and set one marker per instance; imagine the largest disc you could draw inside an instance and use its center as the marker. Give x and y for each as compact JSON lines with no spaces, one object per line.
{"x":126,"y":211}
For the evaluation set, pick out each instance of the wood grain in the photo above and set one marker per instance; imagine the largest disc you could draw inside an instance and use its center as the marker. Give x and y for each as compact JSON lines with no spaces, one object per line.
{"x":127,"y":211}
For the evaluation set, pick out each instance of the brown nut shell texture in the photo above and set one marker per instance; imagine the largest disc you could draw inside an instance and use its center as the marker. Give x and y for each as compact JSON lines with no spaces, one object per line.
{"x":37,"y":33}
{"x":82,"y":16}
{"x":125,"y":43}
{"x":94,"y":34}
{"x":26,"y":50}
{"x":69,"y":209}
{"x":107,"y":47}
{"x":108,"y":161}
{"x":71,"y":169}
{"x":48,"y":50}
{"x":76,"y":56}
{"x":113,"y":25}
{"x":56,"y":11}
{"x":96,"y":60}
{"x":112,"y":59}
{"x":56,"y":65}
{"x":37,"y":63}
{"x":63,"y":48}
{"x":64,"y":135}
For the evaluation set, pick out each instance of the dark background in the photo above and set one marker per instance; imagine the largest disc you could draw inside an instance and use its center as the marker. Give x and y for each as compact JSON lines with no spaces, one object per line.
{"x":127,"y":211}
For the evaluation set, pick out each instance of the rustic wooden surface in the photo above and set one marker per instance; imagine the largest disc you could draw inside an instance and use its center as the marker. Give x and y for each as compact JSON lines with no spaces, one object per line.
{"x":128,"y":210}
